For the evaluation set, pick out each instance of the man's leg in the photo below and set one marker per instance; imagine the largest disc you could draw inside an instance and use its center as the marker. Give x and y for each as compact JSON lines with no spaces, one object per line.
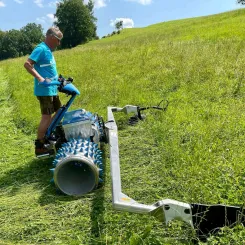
{"x":47,"y":109}
{"x":44,"y":124}
{"x":48,"y":105}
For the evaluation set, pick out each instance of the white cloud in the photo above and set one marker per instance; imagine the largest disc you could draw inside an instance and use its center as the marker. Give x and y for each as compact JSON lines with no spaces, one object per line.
{"x":127,"y":23}
{"x":98,"y":3}
{"x":41,"y":19}
{"x":19,"y":1}
{"x":2,"y":4}
{"x":49,"y":19}
{"x":143,"y":2}
{"x":53,"y":4}
{"x":39,"y":3}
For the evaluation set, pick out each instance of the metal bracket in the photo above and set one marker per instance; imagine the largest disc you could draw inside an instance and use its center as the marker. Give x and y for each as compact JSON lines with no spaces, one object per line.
{"x":165,"y":210}
{"x":205,"y":219}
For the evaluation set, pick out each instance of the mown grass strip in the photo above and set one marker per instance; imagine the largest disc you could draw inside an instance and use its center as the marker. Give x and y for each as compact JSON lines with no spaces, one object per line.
{"x":192,"y":152}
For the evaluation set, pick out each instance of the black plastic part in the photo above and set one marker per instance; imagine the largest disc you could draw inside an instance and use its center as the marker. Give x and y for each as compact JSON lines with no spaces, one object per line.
{"x":208,"y":219}
{"x":134,"y":120}
{"x":103,"y":137}
{"x":60,"y":135}
{"x":63,"y":82}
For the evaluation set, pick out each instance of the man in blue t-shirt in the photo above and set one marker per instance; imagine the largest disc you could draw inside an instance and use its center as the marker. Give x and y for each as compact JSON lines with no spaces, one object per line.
{"x":42,"y":66}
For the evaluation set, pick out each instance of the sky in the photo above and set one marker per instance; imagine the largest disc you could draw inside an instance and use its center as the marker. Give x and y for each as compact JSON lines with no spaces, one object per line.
{"x":15,"y":14}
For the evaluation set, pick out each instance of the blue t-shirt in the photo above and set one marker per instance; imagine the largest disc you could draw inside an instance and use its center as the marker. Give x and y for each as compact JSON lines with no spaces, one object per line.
{"x":45,"y":65}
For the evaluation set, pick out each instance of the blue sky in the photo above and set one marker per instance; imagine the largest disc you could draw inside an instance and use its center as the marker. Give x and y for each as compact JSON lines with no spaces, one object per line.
{"x":14,"y":14}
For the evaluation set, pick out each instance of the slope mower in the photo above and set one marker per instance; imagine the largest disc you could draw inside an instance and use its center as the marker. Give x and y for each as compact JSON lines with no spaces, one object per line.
{"x":75,"y":138}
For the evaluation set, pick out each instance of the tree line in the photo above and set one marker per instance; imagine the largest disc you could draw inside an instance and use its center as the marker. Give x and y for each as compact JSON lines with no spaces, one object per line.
{"x":74,"y":18}
{"x":16,"y":43}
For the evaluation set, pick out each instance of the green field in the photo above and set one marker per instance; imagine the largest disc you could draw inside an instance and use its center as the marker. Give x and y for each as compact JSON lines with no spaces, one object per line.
{"x":193,"y":152}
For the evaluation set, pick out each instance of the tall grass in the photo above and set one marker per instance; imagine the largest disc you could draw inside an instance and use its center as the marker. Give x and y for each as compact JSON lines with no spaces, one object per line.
{"x":192,"y":152}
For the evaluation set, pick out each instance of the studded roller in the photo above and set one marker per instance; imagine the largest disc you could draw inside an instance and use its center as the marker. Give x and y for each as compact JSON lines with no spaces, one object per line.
{"x":78,"y":167}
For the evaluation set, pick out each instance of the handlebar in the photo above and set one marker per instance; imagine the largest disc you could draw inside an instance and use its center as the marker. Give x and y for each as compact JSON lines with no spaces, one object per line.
{"x":64,"y":81}
{"x":64,"y":85}
{"x":61,"y":82}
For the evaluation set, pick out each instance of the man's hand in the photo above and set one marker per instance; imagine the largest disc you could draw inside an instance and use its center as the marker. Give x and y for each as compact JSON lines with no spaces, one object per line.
{"x":48,"y":82}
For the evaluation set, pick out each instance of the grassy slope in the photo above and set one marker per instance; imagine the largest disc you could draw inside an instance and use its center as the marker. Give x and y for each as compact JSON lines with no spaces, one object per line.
{"x":193,"y":152}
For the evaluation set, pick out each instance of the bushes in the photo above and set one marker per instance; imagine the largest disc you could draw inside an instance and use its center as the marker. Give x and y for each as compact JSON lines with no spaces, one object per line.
{"x":112,"y":34}
{"x":16,"y":43}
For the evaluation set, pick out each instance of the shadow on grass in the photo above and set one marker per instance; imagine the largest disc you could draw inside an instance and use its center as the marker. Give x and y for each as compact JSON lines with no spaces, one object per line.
{"x":98,"y":208}
{"x":36,"y":174}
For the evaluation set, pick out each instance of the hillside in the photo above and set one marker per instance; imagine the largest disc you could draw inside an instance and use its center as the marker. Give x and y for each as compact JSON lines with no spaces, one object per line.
{"x":193,"y":152}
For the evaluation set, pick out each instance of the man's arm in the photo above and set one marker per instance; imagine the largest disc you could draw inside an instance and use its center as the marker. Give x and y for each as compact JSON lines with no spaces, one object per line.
{"x":29,"y":65}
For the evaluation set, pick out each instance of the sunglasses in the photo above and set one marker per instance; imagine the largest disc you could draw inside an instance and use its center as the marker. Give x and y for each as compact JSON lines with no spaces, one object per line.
{"x":57,"y":37}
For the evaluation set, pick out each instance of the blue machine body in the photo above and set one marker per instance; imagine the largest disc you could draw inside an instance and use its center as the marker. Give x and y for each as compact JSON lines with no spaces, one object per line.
{"x":69,"y":89}
{"x":74,"y":139}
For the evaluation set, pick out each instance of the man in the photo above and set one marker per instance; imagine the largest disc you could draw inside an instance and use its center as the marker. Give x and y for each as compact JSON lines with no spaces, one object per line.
{"x":42,"y":66}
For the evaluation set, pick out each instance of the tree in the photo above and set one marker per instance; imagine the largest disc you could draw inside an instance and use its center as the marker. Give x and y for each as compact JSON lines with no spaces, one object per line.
{"x":12,"y":43}
{"x":241,"y":1}
{"x":34,"y":34}
{"x":16,"y":43}
{"x":119,"y":25}
{"x":1,"y":33}
{"x":1,"y":40}
{"x":90,"y":7}
{"x":76,"y":21}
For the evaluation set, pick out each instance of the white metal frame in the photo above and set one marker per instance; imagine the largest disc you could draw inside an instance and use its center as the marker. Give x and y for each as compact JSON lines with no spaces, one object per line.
{"x":165,"y":210}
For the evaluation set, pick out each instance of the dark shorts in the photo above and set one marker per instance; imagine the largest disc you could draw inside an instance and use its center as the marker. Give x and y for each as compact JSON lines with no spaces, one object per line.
{"x":49,"y":104}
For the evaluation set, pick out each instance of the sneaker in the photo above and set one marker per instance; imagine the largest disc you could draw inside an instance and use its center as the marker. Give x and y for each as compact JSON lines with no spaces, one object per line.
{"x":39,"y":144}
{"x":41,"y":151}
